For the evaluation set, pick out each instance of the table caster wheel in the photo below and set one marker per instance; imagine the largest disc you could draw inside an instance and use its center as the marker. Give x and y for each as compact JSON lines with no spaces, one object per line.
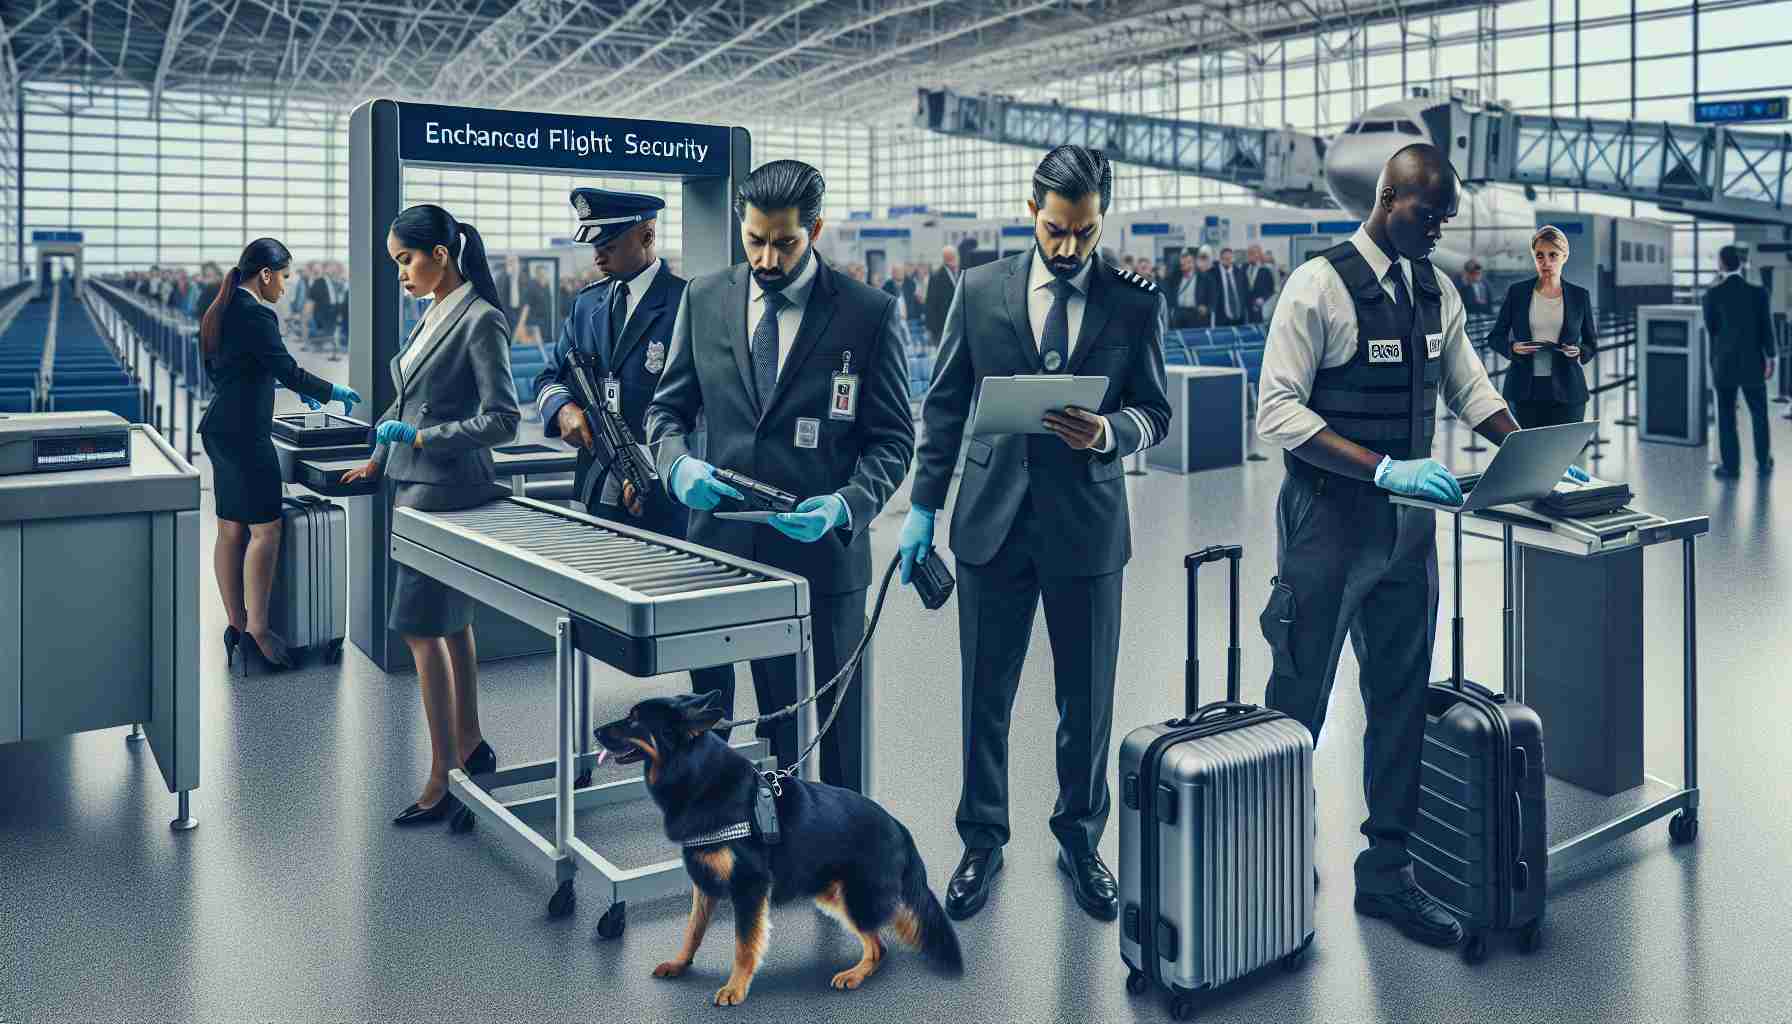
{"x":1474,"y":948}
{"x":565,"y":899}
{"x":462,"y":822}
{"x":1531,"y":938}
{"x":615,"y":919}
{"x":1683,"y":827}
{"x":1182,"y":1008}
{"x":580,"y":782}
{"x":1136,"y":983}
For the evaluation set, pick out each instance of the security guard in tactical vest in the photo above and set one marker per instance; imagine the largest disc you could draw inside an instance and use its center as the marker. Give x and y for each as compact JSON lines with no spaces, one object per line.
{"x":625,"y":323}
{"x":1365,"y":338}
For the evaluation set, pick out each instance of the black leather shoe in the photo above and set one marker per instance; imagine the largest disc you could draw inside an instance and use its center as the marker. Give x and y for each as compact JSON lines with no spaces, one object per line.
{"x":1724,"y":473}
{"x":1414,"y":912}
{"x":1092,"y":884}
{"x":969,"y":888}
{"x":483,"y":760}
{"x":440,"y":810}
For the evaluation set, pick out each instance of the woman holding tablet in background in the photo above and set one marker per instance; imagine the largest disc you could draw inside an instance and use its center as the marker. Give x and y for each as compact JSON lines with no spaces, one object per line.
{"x":1545,"y":327}
{"x":455,"y":402}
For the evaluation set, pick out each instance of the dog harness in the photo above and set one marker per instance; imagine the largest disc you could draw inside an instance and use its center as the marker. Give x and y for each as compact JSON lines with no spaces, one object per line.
{"x":738,"y":830}
{"x":765,"y":820}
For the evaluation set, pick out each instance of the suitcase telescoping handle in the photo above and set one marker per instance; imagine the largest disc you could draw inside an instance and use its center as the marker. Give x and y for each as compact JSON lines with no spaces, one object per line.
{"x":1192,"y":664}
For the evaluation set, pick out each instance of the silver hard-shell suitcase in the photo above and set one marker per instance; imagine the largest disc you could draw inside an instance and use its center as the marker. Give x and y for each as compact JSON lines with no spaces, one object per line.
{"x":1216,"y":834}
{"x":309,"y":603}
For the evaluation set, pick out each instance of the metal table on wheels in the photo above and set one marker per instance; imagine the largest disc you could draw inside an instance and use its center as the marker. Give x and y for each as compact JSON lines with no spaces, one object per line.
{"x":636,"y":600}
{"x":1625,"y":530}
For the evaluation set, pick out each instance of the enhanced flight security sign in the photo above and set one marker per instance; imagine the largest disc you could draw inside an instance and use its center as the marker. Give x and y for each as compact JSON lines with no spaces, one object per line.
{"x":509,"y":138}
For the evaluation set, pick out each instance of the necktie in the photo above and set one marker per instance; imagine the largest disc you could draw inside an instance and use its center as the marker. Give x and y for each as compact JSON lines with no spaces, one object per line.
{"x":765,"y":348}
{"x":1054,"y":341}
{"x":1226,"y":283}
{"x":1402,"y":298}
{"x":618,"y":319}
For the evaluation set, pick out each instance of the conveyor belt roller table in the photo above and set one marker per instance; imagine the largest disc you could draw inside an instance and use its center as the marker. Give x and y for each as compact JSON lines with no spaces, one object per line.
{"x":643,"y":603}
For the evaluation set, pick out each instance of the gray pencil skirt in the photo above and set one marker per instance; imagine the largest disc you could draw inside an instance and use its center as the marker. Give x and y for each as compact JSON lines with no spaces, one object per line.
{"x":422,"y":605}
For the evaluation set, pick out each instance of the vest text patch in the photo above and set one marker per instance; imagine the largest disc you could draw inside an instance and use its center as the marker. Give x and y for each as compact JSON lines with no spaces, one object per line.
{"x":1385,"y":351}
{"x":1434,"y":345}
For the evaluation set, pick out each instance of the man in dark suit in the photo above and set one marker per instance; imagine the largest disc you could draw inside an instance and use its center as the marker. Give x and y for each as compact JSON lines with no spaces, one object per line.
{"x":1259,"y":283}
{"x":800,"y":372}
{"x":624,"y":322}
{"x":1740,"y":326}
{"x":1228,"y":292}
{"x":1477,"y":298}
{"x":1056,"y":308}
{"x":940,"y":289}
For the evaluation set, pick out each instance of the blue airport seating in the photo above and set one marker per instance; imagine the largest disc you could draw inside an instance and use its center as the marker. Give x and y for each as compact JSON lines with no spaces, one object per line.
{"x":126,"y":401}
{"x":17,"y":399}
{"x":1214,"y":357}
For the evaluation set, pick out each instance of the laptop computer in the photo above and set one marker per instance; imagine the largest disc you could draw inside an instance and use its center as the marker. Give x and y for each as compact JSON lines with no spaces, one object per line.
{"x":1526,"y":467}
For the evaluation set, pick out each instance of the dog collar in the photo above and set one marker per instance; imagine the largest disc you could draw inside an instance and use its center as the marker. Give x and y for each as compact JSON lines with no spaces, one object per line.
{"x":738,"y":830}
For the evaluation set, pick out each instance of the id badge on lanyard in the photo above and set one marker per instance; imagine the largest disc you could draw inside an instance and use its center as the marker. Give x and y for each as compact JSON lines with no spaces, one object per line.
{"x":843,"y":397}
{"x":613,"y":395}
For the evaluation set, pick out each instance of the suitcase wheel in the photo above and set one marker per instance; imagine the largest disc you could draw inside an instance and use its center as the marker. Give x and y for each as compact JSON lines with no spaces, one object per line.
{"x":1292,"y":961}
{"x":1474,"y":948}
{"x":1182,"y":1007}
{"x":1530,"y":939}
{"x":1137,"y":983}
{"x":333,"y":652}
{"x":1683,"y":827}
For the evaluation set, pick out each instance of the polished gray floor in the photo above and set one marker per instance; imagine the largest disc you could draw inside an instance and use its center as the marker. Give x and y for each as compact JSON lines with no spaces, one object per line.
{"x":295,"y":900}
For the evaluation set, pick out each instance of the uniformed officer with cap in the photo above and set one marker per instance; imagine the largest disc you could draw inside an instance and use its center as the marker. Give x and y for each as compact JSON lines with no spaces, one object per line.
{"x":625,"y":323}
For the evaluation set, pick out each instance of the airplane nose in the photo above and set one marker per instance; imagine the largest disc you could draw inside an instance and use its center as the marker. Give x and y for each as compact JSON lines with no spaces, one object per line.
{"x":1353,"y":165}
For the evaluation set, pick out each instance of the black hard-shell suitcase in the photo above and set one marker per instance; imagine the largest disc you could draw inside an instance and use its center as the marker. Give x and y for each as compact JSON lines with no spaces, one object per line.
{"x":1482,"y":842}
{"x":1216,"y":834}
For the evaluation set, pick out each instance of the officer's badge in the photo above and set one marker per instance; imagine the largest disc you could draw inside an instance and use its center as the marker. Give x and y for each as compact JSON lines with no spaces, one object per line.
{"x":581,"y":206}
{"x":656,"y":356}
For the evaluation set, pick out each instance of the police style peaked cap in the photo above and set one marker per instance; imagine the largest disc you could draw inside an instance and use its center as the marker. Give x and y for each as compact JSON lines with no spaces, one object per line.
{"x":604,"y":214}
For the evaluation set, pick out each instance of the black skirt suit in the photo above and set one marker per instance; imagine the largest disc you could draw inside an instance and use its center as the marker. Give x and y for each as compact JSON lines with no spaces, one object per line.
{"x":236,"y":427}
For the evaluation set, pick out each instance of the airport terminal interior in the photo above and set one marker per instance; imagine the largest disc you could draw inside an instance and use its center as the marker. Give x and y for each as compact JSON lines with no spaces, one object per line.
{"x":1105,"y":286}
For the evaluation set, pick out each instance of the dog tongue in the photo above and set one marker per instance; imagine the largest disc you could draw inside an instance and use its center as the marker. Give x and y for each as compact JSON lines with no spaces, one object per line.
{"x":603,"y":754}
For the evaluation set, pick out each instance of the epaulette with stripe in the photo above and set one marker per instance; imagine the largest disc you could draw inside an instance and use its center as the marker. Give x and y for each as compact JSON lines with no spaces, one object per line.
{"x":595,"y":284}
{"x":1136,"y":280}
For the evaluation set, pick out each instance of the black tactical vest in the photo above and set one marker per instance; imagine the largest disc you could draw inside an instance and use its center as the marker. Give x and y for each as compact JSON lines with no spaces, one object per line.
{"x":1385,"y":398}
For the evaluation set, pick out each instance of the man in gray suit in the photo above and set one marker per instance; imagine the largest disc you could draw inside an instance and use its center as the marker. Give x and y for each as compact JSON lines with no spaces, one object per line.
{"x":1042,"y":515}
{"x":799,"y":371}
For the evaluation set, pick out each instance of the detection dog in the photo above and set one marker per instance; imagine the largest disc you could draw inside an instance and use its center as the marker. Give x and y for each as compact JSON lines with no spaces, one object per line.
{"x":836,"y":847}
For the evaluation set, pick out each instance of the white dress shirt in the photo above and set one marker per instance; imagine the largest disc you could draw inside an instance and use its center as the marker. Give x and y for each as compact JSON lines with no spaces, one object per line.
{"x":1546,"y":325}
{"x":258,"y":298}
{"x":638,"y":288}
{"x":434,"y":317}
{"x":1039,"y":306}
{"x":1315,"y":328}
{"x":790,"y":317}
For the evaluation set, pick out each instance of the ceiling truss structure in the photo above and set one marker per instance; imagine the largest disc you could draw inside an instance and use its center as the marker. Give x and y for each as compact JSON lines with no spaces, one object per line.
{"x":703,"y":60}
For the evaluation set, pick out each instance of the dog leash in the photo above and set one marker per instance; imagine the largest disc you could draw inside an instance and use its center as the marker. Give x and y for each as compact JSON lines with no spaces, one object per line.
{"x":774,"y":776}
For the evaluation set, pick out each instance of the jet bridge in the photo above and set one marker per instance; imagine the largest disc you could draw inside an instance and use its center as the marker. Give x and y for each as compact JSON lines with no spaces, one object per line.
{"x":1281,"y":164}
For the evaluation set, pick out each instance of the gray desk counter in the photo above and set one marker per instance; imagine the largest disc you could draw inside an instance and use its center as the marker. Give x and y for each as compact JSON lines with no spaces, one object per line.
{"x":99,"y":614}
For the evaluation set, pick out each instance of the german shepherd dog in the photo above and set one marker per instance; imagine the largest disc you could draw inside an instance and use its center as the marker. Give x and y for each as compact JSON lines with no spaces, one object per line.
{"x":838,"y":848}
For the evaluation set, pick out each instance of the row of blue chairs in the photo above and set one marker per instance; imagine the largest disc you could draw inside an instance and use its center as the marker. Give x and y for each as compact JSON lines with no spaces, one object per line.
{"x":81,"y":373}
{"x":526,"y":363}
{"x":22,"y":355}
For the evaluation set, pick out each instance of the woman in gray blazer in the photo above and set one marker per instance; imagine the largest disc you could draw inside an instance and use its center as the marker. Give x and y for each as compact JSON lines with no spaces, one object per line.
{"x":455,"y":403}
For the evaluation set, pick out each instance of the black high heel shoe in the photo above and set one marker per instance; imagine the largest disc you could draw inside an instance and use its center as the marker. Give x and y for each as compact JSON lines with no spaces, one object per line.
{"x":253,"y":655}
{"x":483,"y":760}
{"x":415,"y":815}
{"x":232,"y":637}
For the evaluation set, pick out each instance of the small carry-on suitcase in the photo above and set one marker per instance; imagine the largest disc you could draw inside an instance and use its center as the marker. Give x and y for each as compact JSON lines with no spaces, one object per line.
{"x":1482,"y":842}
{"x":309,"y":603}
{"x":1216,"y":834}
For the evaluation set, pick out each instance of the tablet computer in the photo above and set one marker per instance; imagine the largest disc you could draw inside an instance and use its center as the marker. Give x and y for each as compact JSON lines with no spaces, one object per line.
{"x":1017,"y":405}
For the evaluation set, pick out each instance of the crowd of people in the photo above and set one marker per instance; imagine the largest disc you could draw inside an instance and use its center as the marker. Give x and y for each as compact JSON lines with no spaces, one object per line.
{"x":313,"y":308}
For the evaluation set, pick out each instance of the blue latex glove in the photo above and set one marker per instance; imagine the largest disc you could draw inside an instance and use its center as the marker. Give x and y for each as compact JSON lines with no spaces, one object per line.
{"x":694,"y":484}
{"x":311,"y":403}
{"x":348,"y":396}
{"x":1426,"y":479}
{"x":1575,"y":474}
{"x":914,"y":540}
{"x":394,"y":432}
{"x":812,"y":519}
